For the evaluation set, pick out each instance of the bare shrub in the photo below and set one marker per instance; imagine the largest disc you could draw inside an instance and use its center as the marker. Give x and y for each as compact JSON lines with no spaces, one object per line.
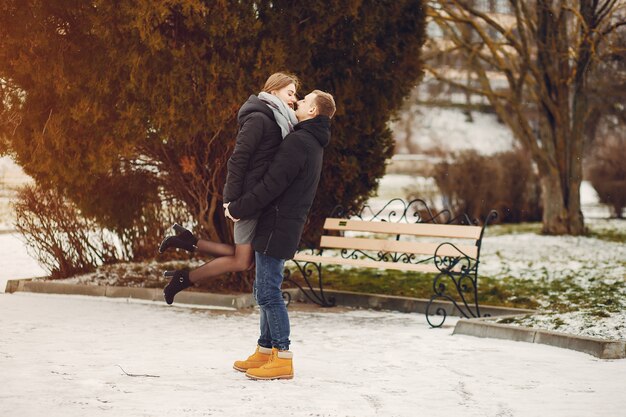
{"x":67,"y":243}
{"x":475,"y":184}
{"x":426,"y":191}
{"x":64,"y":242}
{"x":606,"y":171}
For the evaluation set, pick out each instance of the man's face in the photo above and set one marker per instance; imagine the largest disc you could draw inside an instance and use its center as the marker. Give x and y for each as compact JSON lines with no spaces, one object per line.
{"x":306,"y":107}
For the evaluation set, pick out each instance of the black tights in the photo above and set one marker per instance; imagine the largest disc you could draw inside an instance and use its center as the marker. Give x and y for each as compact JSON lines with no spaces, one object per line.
{"x":228,"y":258}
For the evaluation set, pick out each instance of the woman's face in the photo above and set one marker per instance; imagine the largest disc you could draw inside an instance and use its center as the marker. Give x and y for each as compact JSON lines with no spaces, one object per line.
{"x":287,"y":94}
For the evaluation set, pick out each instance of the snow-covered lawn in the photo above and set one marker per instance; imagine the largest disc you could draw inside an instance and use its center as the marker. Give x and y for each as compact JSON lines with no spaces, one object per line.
{"x":611,"y":326}
{"x":15,"y":262}
{"x":61,"y":356}
{"x":449,"y":130}
{"x":11,"y":177}
{"x":533,"y":256}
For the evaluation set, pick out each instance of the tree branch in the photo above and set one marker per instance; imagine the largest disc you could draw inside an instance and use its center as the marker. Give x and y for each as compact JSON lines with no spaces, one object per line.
{"x":464,"y":87}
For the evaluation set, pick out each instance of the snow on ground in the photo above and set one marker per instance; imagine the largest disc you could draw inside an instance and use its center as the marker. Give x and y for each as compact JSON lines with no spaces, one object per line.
{"x":11,"y":174}
{"x":589,"y":201}
{"x":11,"y":177}
{"x":61,"y":359}
{"x":533,"y":256}
{"x":577,"y":322}
{"x":15,"y":262}
{"x":449,"y":130}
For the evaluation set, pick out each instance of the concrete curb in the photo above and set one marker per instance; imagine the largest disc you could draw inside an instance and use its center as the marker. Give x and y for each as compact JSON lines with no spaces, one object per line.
{"x":151,"y":294}
{"x":600,"y":348}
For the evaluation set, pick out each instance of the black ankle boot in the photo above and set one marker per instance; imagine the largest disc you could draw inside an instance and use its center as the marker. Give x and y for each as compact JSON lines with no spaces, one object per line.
{"x":184,"y":239}
{"x":179,"y":281}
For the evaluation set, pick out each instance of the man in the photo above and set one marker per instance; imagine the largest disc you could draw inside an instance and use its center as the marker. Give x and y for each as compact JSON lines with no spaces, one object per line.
{"x":284,"y":195}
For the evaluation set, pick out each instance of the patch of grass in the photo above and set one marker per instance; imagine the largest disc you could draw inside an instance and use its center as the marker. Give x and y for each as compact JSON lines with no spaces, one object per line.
{"x":556,"y":295}
{"x":600,"y":313}
{"x":558,"y":322}
{"x":610,"y":235}
{"x":598,"y":232}
{"x":388,"y":282}
{"x":513,"y":229}
{"x":509,"y":320}
{"x":420,"y":285}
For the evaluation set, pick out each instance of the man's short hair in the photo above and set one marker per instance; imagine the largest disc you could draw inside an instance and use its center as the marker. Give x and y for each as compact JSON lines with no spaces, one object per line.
{"x":325,"y":103}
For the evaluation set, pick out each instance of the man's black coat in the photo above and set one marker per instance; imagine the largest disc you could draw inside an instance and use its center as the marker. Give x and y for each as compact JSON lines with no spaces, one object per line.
{"x":286,"y":191}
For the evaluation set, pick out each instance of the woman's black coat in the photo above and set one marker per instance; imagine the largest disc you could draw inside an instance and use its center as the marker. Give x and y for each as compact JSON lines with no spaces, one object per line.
{"x":257,"y":142}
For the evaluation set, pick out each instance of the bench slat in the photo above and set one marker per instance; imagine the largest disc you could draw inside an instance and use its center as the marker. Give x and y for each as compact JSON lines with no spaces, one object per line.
{"x":415,"y":229}
{"x":395,"y":246}
{"x":366,"y":263}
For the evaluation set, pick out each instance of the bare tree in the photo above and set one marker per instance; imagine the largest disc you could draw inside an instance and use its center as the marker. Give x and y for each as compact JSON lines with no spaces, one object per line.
{"x":533,"y":65}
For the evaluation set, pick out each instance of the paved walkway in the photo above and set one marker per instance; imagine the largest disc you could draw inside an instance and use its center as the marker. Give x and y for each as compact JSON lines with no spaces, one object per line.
{"x":59,"y":356}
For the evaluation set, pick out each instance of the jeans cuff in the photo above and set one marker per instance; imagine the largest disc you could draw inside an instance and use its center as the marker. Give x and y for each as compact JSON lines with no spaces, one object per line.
{"x":281,"y":346}
{"x":267,"y":345}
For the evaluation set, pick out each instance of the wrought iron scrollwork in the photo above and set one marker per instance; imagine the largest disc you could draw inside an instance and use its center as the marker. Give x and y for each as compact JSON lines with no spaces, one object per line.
{"x":287,"y":298}
{"x":463,"y":261}
{"x":462,"y":273}
{"x":397,"y":210}
{"x":309,"y":270}
{"x":381,"y":256}
{"x":458,"y":273}
{"x":463,"y":284}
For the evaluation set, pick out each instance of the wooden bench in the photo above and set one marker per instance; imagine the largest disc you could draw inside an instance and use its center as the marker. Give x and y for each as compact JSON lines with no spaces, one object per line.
{"x":451,"y":251}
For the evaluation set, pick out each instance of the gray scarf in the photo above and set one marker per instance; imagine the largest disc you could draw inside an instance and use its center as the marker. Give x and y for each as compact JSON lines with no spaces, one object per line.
{"x":284,"y":115}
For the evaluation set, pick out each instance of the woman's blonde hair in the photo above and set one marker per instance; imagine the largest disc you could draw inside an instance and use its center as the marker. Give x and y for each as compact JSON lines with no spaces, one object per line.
{"x":280,"y":80}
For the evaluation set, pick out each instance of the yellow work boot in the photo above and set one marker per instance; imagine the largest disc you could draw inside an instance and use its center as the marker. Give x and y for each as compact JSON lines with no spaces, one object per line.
{"x":280,"y":366}
{"x":259,"y":358}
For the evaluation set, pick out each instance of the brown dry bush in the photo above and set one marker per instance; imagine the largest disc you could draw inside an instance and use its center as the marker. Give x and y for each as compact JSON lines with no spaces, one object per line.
{"x":64,"y":242}
{"x":606,"y":171}
{"x":68,"y":243}
{"x":475,"y":184}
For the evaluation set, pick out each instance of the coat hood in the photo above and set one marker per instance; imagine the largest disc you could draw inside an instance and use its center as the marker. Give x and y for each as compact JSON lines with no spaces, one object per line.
{"x":254,"y":105}
{"x":319,"y":127}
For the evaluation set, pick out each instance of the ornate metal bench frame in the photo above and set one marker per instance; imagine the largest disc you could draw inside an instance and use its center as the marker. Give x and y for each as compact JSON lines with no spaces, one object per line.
{"x":460,"y":273}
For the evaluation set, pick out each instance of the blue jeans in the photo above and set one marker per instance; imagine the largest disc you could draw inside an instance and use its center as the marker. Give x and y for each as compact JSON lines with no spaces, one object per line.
{"x":269,"y":297}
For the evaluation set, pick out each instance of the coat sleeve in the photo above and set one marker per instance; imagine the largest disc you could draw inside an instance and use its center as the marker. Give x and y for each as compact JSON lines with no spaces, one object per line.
{"x":248,"y":139}
{"x":283,"y":170}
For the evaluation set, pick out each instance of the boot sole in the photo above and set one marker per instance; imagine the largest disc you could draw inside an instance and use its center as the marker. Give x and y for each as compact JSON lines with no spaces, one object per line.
{"x":267,"y":378}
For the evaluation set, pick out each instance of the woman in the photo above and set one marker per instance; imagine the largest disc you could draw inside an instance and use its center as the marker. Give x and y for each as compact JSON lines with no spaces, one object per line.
{"x":264,"y":121}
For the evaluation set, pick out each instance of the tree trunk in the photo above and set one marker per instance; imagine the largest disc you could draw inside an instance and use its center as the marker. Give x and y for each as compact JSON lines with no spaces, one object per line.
{"x":576,"y":223}
{"x":575,"y":215}
{"x":560,"y":216}
{"x":555,"y":215}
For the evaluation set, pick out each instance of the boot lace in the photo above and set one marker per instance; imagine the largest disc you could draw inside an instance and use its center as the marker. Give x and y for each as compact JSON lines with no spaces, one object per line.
{"x":272,"y":358}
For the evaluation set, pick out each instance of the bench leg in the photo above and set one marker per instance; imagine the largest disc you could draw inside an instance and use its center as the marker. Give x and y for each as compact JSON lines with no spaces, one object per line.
{"x":286,"y":298}
{"x":308,"y":270}
{"x":462,"y":283}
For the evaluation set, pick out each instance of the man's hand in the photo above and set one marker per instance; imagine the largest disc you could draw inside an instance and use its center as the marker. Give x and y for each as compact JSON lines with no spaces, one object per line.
{"x":227,"y":213}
